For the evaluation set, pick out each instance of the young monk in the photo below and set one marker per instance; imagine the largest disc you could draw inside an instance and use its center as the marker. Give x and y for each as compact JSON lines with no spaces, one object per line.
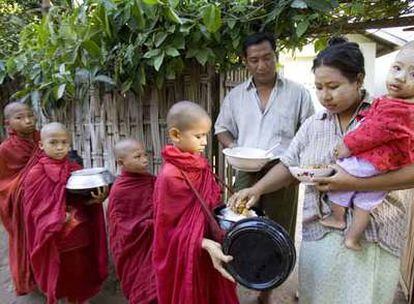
{"x":184,"y":253}
{"x":17,"y":154}
{"x":131,"y":229}
{"x":66,"y":236}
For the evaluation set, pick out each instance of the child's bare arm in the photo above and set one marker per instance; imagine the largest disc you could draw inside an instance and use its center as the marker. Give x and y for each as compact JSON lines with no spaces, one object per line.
{"x":217,"y":257}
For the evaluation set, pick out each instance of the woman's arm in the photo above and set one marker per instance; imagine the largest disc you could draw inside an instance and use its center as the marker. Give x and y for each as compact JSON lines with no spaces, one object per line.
{"x":278,"y":177}
{"x":394,"y":180}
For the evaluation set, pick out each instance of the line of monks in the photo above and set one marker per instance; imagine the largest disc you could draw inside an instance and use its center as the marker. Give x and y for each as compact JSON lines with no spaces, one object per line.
{"x":160,"y":239}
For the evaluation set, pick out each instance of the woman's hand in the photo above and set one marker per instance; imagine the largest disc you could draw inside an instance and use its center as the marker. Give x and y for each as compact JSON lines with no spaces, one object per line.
{"x":217,"y":257}
{"x":100,"y":196}
{"x":340,"y":181}
{"x":239,"y":198}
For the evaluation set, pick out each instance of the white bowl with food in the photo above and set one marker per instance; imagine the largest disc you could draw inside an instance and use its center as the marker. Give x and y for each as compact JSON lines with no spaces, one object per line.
{"x":306,"y":174}
{"x":247,"y":159}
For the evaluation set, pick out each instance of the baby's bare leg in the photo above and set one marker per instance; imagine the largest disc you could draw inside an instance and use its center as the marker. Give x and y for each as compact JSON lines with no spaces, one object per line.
{"x":359,"y":224}
{"x":336,"y":219}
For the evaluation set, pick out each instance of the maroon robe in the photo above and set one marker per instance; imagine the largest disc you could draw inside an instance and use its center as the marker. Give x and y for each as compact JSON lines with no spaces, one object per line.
{"x":184,"y":271}
{"x":17,"y":156}
{"x":131,"y":230}
{"x":66,"y":239}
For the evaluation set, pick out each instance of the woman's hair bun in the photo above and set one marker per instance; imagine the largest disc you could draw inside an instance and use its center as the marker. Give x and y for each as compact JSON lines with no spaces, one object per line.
{"x":337,"y":40}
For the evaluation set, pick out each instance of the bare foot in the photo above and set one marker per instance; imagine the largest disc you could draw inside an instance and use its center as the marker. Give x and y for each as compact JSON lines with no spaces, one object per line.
{"x":332,"y":222}
{"x":352,"y":244}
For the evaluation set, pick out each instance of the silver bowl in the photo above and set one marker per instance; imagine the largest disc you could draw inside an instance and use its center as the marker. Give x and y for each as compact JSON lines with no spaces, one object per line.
{"x":86,"y":180}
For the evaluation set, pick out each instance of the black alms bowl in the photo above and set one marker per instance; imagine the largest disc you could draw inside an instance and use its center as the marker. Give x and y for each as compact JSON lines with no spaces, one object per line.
{"x":263,"y":253}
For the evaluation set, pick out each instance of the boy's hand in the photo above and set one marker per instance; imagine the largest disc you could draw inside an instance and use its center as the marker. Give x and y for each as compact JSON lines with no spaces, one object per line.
{"x":239,"y":198}
{"x":217,"y":257}
{"x":341,"y":151}
{"x":100,"y":196}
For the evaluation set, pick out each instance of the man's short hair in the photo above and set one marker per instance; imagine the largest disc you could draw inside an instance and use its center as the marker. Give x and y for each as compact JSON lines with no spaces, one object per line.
{"x":258,"y":38}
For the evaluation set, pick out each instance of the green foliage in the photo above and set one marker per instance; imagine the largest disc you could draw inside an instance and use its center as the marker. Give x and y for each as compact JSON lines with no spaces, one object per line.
{"x":128,"y":44}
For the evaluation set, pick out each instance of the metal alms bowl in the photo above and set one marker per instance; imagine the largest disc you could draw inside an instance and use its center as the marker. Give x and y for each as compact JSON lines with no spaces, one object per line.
{"x":86,"y":180}
{"x":247,"y":159}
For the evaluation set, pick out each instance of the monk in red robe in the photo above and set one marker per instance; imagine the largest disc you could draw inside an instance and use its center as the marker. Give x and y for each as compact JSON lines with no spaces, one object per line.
{"x":66,"y":236}
{"x":188,"y":263}
{"x":18,"y":153}
{"x":131,"y":229}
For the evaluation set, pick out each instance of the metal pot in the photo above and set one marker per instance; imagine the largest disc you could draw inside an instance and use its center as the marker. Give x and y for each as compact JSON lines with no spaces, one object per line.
{"x":86,"y":180}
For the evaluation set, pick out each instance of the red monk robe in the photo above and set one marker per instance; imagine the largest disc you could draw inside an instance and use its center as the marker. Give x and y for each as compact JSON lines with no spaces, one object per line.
{"x":131,"y":231}
{"x":17,"y":156}
{"x":184,"y":271}
{"x":66,"y":238}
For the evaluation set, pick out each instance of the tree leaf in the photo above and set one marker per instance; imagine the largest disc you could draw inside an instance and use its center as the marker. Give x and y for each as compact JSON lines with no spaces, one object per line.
{"x":158,"y":61}
{"x":60,"y":91}
{"x":126,"y":86}
{"x":172,"y":16}
{"x":137,"y":14}
{"x":172,"y":52}
{"x":159,"y":38}
{"x":212,"y":18}
{"x":178,"y":42}
{"x":231,"y":23}
{"x":150,"y":2}
{"x":321,"y":5}
{"x":152,"y":53}
{"x":92,"y":48}
{"x":105,"y":79}
{"x":174,"y":3}
{"x":202,"y":56}
{"x":302,"y":27}
{"x":299,"y":4}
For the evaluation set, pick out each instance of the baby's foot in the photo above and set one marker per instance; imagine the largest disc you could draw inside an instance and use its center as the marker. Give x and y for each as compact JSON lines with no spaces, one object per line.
{"x":352,"y":244}
{"x":332,"y":222}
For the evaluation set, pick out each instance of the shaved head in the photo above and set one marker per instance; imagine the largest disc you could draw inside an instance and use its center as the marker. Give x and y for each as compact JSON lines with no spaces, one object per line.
{"x":52,"y":128}
{"x":184,"y":114}
{"x":126,"y":146}
{"x":13,"y":107}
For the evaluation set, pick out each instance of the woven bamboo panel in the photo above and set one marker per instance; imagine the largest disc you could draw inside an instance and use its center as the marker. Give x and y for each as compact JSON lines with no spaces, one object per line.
{"x":103,"y":118}
{"x":228,"y":81}
{"x":407,"y":261}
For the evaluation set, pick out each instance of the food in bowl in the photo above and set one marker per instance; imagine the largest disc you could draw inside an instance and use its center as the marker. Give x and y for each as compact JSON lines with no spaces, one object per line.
{"x":247,"y":159}
{"x":241,"y":209}
{"x":306,"y":174}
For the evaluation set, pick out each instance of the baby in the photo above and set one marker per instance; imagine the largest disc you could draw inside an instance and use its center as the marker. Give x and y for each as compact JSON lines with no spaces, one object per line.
{"x":383,"y":141}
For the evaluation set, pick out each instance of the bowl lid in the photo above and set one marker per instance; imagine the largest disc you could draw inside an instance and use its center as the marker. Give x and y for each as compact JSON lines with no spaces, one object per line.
{"x":89,"y":179}
{"x":263,"y":253}
{"x":89,"y":171}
